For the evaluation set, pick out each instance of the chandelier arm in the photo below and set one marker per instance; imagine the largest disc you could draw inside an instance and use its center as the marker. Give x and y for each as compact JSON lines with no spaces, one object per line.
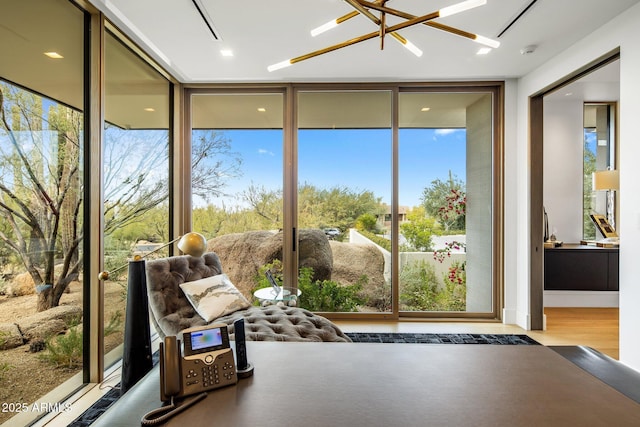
{"x":383,"y":28}
{"x":346,"y":17}
{"x":390,"y":30}
{"x":334,"y":47}
{"x":405,"y":15}
{"x":364,"y":11}
{"x":451,"y":30}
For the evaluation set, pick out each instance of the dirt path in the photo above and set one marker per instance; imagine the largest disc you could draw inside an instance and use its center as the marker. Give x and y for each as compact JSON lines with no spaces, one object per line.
{"x":25,"y":377}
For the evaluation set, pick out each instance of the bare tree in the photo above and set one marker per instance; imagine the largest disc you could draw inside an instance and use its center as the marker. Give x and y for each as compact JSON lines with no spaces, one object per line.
{"x":41,"y":190}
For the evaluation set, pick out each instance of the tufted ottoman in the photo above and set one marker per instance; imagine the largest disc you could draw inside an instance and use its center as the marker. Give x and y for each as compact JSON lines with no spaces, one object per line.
{"x":171,"y":311}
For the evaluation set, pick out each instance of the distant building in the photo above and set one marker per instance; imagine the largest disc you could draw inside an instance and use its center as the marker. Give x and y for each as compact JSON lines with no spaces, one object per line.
{"x":384,"y":220}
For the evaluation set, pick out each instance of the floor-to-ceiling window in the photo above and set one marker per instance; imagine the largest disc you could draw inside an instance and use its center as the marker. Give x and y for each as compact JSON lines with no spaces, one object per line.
{"x":42,"y":150}
{"x":344,"y":147}
{"x":237,"y":180}
{"x":136,"y":162}
{"x":599,"y":166}
{"x":394,"y":195}
{"x":446,"y":149}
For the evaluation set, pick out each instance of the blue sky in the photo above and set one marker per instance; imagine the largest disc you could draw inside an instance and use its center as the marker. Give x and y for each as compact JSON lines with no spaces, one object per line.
{"x":354,"y":158}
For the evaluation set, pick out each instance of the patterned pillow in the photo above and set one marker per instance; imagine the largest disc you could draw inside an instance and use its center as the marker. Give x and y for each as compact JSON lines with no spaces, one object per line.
{"x":214,"y":296}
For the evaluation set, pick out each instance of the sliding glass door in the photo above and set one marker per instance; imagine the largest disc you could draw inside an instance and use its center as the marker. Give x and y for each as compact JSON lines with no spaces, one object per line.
{"x":236,"y":181}
{"x":446,"y":197}
{"x":344,"y":193}
{"x":375,"y":200}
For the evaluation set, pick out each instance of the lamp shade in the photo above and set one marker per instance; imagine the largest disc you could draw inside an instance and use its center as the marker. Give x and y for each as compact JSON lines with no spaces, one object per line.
{"x":193,"y":244}
{"x":606,"y":180}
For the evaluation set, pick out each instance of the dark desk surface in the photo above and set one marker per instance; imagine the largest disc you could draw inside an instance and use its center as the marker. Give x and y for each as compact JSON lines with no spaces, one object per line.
{"x":578,"y":246}
{"x":362,"y":384}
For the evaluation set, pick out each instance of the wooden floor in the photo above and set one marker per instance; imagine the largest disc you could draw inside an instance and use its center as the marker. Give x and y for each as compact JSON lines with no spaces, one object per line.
{"x":591,"y":327}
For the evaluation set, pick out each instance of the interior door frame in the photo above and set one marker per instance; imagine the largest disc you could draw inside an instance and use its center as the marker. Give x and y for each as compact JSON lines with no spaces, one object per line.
{"x":536,"y":179}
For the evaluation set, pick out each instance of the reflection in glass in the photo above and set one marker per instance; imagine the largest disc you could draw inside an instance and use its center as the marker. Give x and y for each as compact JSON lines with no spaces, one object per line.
{"x":41,"y":201}
{"x":135,"y":175}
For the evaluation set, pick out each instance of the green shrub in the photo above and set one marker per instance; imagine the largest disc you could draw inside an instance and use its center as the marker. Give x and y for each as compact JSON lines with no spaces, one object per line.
{"x":64,"y":350}
{"x":367,"y":222}
{"x":380,"y":241}
{"x":418,"y":287}
{"x":420,"y":290}
{"x":318,"y":295}
{"x":4,"y":367}
{"x":455,"y":282}
{"x":114,"y":324}
{"x":327,"y":295}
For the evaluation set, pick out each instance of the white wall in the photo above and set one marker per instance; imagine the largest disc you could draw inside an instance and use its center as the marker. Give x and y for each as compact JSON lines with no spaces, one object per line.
{"x":563,"y":168}
{"x":479,"y":213}
{"x":622,"y":32}
{"x":512,"y":276}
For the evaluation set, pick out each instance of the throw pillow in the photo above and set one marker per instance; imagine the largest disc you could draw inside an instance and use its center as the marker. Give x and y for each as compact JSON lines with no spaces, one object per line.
{"x":214,"y":296}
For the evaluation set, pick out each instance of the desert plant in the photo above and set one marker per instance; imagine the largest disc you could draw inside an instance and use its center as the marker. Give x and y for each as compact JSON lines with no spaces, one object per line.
{"x":455,"y":283}
{"x":420,"y":289}
{"x":64,"y":350}
{"x":318,"y":295}
{"x":328,"y":295}
{"x":73,"y":321}
{"x":4,"y":367}
{"x":115,"y":321}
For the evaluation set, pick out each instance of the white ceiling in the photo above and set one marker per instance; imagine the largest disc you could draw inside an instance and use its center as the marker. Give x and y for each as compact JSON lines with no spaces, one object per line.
{"x":600,"y":85}
{"x":262,"y":33}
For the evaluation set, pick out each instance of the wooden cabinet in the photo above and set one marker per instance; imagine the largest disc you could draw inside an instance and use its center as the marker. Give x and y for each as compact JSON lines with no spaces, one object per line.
{"x":581,"y":268}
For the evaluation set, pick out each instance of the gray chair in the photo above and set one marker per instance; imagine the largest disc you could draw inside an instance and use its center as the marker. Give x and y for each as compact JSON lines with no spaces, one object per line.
{"x":171,"y":311}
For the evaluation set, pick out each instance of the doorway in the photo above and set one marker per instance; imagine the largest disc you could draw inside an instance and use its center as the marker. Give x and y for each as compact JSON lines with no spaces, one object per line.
{"x":596,"y":82}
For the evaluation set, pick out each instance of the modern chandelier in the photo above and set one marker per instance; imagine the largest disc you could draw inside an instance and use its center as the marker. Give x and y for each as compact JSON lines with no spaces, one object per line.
{"x":364,"y":8}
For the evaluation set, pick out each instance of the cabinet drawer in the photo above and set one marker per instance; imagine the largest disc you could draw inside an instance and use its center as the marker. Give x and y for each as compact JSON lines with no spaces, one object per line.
{"x":578,"y":270}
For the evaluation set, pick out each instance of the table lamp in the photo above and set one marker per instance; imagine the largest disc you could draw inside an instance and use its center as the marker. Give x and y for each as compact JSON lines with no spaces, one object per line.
{"x":609,"y":181}
{"x":136,"y":354}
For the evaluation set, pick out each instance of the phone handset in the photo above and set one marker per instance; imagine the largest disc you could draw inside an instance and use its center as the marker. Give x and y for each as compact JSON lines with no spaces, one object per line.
{"x":169,"y":368}
{"x":169,"y":384}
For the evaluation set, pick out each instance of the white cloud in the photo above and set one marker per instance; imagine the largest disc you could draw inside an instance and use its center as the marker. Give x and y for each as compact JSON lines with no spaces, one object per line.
{"x":263,"y":151}
{"x":447,"y":131}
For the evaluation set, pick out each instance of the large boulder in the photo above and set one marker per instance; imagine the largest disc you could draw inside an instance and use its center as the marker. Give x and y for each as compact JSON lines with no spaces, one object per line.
{"x":20,"y":285}
{"x":45,"y":324}
{"x":39,"y":326}
{"x":352,"y":261}
{"x":10,"y":336}
{"x":242,"y":254}
{"x":313,"y":251}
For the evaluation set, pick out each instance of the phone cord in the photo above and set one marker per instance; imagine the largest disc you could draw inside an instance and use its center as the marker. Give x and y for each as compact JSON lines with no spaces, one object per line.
{"x":160,"y":415}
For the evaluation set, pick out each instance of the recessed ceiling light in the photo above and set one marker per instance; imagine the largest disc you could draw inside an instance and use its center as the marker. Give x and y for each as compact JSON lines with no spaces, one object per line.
{"x":483,"y":51}
{"x":149,"y":109}
{"x":262,"y":109}
{"x":226,"y":52}
{"x":425,"y":109}
{"x":54,"y":55}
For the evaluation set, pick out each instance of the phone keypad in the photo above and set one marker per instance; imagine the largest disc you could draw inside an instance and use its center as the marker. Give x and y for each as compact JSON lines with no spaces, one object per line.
{"x":211,"y":375}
